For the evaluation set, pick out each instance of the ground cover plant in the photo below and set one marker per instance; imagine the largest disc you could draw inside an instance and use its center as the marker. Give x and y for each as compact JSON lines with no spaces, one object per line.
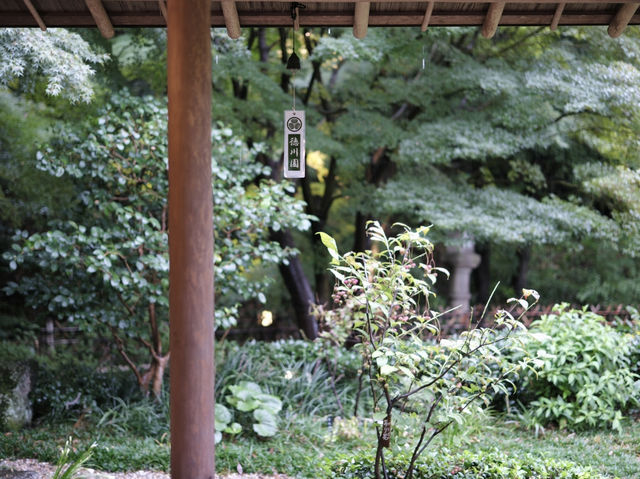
{"x":491,"y":464}
{"x":307,"y":448}
{"x":132,"y":433}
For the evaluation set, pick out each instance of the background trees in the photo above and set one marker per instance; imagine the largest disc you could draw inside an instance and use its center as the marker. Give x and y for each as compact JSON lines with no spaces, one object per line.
{"x":503,"y":140}
{"x":526,"y":144}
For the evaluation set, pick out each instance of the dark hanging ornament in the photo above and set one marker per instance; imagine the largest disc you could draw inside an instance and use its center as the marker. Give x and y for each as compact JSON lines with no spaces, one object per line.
{"x":293,"y":63}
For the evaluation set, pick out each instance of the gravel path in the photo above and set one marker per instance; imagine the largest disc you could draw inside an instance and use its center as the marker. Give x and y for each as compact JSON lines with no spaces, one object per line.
{"x":43,"y":470}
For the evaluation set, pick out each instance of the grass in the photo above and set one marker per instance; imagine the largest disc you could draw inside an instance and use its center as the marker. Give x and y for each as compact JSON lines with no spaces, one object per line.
{"x":112,"y":453}
{"x":610,"y":453}
{"x":299,"y":450}
{"x":306,"y":443}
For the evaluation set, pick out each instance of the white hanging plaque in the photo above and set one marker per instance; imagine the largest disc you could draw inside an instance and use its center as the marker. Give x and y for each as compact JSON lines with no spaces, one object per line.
{"x":294,"y":144}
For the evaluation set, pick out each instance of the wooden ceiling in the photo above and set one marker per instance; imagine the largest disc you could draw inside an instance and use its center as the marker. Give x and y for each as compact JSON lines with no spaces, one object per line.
{"x":107,"y":14}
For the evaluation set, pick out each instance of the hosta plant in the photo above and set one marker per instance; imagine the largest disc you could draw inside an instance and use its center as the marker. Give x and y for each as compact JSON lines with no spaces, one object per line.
{"x":251,"y":407}
{"x":382,"y":304}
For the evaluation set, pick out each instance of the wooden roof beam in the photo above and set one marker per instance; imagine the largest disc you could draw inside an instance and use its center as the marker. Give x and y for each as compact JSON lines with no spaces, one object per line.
{"x":163,"y":9}
{"x":622,"y":18}
{"x":36,"y":16}
{"x":231,"y":19}
{"x":492,"y":20}
{"x":361,"y":19}
{"x":556,"y":16}
{"x":427,"y":16}
{"x":99,"y":14}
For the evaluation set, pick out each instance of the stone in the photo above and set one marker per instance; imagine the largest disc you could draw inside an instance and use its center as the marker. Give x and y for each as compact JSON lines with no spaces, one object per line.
{"x":463,"y":260}
{"x":15,"y":405}
{"x":12,"y":474}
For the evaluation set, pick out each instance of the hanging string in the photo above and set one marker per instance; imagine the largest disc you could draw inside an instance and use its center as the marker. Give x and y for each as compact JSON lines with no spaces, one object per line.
{"x":293,"y":88}
{"x":293,"y":63}
{"x":293,"y":72}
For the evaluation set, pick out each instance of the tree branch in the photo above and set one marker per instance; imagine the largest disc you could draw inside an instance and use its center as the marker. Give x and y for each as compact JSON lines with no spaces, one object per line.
{"x":125,"y":356}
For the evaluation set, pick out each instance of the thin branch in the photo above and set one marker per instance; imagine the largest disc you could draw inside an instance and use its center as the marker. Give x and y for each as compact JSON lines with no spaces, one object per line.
{"x":125,"y":356}
{"x":355,"y":407}
{"x":150,"y":348}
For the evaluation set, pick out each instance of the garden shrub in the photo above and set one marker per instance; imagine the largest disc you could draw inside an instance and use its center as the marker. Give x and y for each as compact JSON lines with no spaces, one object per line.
{"x":467,"y":465}
{"x":65,"y":385}
{"x":583,"y":376}
{"x":632,"y":328}
{"x":382,"y":299}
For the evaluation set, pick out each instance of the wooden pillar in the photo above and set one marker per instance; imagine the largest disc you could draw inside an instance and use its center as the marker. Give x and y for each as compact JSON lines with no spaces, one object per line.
{"x":190,"y":240}
{"x":361,"y":19}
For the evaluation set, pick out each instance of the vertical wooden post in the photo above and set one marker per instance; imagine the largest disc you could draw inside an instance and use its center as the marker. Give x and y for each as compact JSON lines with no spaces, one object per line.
{"x":190,"y":240}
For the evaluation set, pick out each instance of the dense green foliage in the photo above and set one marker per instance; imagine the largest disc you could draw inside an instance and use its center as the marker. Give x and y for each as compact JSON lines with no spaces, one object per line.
{"x":58,"y":396}
{"x":492,"y":138}
{"x":487,"y":465}
{"x":251,"y":406}
{"x":583,"y":377}
{"x":112,"y":251}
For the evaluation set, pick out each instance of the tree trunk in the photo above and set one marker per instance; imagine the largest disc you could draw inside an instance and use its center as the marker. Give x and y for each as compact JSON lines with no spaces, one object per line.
{"x":521,"y":276}
{"x":360,"y":240}
{"x":322,"y":287}
{"x":292,"y":273}
{"x":319,"y":206}
{"x":482,"y":274}
{"x":298,"y":286}
{"x":154,"y":377}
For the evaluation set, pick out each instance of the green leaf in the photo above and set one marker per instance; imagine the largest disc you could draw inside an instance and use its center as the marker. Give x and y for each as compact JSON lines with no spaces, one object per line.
{"x":223,"y":416}
{"x":249,"y":405}
{"x":265,"y":417}
{"x":330,"y":244}
{"x":265,"y":430}
{"x":235,"y":428}
{"x":386,"y":369}
{"x":406,"y":371}
{"x":270,"y":403}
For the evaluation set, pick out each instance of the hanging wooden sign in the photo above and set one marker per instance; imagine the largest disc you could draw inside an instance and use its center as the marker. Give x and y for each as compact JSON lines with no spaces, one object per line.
{"x":294,"y":144}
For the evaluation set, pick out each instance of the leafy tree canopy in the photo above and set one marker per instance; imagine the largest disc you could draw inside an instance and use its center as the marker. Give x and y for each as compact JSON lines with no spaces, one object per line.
{"x":59,"y":58}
